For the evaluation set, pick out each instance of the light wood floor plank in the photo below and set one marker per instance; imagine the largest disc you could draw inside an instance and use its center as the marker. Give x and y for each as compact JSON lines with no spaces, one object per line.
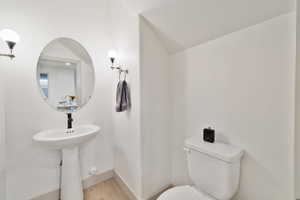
{"x":107,"y":190}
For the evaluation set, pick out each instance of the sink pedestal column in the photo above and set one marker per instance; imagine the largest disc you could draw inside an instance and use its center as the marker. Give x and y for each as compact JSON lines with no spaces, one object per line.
{"x":71,"y":179}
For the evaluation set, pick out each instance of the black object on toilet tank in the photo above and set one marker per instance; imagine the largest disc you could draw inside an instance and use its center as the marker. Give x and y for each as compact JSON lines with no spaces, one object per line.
{"x":209,"y":135}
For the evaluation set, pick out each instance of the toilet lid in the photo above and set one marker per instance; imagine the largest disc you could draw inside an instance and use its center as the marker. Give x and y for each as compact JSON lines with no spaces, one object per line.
{"x":184,"y":192}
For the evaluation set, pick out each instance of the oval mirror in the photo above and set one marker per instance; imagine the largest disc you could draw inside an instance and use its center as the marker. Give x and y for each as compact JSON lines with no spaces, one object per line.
{"x":65,"y":75}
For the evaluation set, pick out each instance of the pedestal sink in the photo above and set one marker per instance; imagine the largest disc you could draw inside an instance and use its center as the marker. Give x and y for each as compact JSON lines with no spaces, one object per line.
{"x":68,"y":142}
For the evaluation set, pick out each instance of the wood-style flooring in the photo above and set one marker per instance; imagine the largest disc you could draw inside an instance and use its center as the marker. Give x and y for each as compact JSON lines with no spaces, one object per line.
{"x":107,"y":190}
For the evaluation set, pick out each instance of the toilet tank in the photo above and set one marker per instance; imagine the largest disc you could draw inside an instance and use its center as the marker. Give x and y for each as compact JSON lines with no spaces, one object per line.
{"x":214,"y":168}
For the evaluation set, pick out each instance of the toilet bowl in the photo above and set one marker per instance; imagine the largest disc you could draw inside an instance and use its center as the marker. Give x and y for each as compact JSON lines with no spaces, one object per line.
{"x":214,"y":169}
{"x":185,"y":192}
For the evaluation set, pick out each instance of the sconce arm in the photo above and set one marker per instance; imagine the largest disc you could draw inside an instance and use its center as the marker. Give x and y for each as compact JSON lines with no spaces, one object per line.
{"x":11,"y":56}
{"x":120,"y":69}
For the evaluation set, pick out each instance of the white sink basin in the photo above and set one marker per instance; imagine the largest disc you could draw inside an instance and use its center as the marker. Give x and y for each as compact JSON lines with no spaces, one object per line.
{"x":60,"y":138}
{"x":68,"y":143}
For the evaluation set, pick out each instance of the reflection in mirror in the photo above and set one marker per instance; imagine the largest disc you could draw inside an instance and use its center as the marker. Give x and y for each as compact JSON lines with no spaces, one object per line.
{"x":65,"y":75}
{"x":44,"y":83}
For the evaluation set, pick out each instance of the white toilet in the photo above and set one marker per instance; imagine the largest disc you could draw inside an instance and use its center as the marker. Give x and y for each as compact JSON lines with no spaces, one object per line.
{"x":214,"y":169}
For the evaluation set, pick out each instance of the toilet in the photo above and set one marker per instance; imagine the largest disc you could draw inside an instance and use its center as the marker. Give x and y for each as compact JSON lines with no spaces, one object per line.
{"x":214,"y":169}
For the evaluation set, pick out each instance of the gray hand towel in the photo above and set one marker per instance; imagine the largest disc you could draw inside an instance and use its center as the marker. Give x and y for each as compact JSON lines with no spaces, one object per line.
{"x":123,"y":100}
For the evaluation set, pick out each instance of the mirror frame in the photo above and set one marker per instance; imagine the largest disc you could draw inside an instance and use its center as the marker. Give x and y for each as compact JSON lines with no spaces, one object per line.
{"x":61,"y":59}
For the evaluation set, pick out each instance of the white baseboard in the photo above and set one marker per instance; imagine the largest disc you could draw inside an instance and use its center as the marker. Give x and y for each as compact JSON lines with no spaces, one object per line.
{"x":125,"y":187}
{"x":132,"y":195}
{"x":93,"y":180}
{"x":88,"y":182}
{"x":54,"y":195}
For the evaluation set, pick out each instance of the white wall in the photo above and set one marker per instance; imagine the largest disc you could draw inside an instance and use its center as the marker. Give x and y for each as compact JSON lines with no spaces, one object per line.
{"x":242,"y":84}
{"x":141,"y":139}
{"x":127,"y":139}
{"x":297,"y":108}
{"x":39,"y":22}
{"x":155,"y":110}
{"x":3,"y":62}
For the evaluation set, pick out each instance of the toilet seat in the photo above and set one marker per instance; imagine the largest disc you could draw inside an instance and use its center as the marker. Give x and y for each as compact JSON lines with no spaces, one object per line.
{"x":184,"y":193}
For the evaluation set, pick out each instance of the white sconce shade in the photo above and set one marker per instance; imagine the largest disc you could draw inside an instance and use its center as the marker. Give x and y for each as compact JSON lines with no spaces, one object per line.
{"x":112,"y":54}
{"x":9,"y":36}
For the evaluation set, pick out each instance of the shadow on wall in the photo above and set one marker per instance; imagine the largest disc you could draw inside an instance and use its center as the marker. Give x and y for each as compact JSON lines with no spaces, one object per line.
{"x":179,"y":119}
{"x":2,"y":185}
{"x":171,"y":44}
{"x":122,"y":158}
{"x":262,"y":175}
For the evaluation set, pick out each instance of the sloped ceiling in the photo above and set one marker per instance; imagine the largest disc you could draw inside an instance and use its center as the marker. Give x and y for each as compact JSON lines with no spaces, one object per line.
{"x":181,"y":24}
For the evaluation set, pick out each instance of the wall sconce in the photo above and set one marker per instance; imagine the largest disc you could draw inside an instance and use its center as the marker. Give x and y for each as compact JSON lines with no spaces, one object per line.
{"x":11,"y":38}
{"x":112,"y":54}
